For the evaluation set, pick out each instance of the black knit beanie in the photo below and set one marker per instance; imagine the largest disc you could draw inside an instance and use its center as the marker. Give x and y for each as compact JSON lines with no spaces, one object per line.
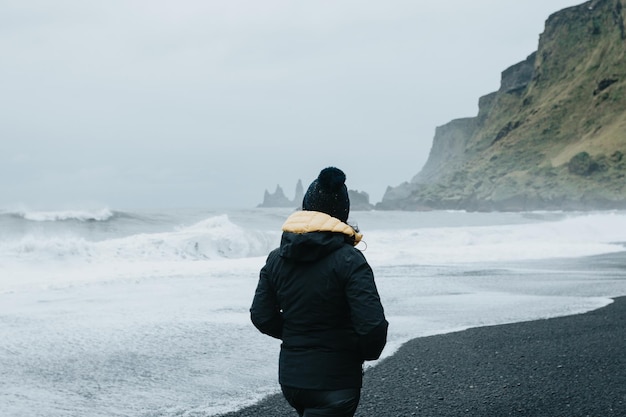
{"x":328,"y":194}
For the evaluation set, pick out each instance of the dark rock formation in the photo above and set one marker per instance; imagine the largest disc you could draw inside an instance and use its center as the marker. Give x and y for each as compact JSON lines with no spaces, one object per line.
{"x":299,"y":194}
{"x":276,"y":199}
{"x":582,"y":164}
{"x":516,"y":78}
{"x":359,"y":200}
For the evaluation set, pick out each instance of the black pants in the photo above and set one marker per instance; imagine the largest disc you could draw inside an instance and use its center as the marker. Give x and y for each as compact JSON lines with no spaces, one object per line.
{"x":314,"y":403}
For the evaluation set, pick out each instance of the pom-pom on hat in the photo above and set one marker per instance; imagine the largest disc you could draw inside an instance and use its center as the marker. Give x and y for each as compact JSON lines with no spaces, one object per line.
{"x":328,"y":194}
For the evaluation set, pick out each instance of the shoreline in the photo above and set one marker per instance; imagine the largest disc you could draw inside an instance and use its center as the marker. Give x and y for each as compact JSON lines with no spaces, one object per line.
{"x":563,"y":366}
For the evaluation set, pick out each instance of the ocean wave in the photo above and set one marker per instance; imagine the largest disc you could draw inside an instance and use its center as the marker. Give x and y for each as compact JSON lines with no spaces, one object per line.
{"x":213,"y":238}
{"x":573,"y":235}
{"x":97,"y":215}
{"x":218,"y":237}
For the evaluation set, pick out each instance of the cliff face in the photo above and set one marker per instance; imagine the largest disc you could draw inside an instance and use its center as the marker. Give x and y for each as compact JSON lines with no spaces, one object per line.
{"x":552,"y":137}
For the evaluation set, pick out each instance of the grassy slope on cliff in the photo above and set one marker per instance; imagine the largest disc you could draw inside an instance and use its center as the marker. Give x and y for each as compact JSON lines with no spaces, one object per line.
{"x":558,"y":141}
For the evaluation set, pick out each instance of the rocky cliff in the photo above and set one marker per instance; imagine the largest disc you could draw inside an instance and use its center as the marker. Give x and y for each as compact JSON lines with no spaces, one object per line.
{"x":552,"y":137}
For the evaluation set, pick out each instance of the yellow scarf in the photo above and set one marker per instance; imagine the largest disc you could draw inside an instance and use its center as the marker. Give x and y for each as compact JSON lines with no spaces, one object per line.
{"x":316,"y":221}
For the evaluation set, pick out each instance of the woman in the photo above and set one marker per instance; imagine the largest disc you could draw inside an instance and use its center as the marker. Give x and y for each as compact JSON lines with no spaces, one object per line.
{"x":317,"y":294}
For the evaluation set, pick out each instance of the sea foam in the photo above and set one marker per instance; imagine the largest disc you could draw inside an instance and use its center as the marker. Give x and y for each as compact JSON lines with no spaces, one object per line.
{"x":102,"y":214}
{"x":214,"y":238}
{"x":95,"y":314}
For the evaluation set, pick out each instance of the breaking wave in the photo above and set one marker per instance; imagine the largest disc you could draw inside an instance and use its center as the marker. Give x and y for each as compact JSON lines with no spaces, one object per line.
{"x":98,"y":215}
{"x":213,"y":238}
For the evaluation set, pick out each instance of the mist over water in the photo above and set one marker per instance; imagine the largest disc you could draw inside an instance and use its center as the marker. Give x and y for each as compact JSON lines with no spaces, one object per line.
{"x":108,"y":313}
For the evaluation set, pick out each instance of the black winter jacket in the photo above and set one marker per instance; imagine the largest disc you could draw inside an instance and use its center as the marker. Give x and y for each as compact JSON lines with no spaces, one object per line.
{"x":317,"y":293}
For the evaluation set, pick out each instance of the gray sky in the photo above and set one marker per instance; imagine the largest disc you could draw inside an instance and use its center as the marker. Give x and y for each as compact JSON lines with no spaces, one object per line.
{"x":154,"y":103}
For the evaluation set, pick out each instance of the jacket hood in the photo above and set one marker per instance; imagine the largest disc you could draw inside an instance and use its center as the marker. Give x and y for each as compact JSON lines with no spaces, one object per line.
{"x":310,"y":235}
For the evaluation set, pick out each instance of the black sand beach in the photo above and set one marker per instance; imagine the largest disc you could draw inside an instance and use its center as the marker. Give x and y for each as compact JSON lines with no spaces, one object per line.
{"x":568,"y":366}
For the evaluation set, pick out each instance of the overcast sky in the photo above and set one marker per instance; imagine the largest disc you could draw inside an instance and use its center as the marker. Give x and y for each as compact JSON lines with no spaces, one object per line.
{"x":154,"y":103}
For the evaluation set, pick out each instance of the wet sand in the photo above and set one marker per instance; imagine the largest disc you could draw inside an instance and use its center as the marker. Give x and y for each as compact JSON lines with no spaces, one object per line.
{"x":566,"y":366}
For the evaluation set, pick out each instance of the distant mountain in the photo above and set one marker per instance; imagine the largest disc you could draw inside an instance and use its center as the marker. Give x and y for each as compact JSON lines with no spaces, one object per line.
{"x":552,"y":137}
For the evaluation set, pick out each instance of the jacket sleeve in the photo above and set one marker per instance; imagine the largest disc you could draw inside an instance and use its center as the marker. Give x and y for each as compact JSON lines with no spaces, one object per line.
{"x":265,"y":312}
{"x":368,"y":317}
